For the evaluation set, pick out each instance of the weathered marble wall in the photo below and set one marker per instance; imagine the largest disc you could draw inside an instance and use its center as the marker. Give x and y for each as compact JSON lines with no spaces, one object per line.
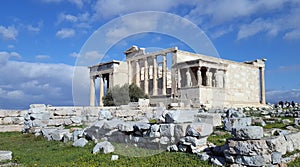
{"x":11,"y":120}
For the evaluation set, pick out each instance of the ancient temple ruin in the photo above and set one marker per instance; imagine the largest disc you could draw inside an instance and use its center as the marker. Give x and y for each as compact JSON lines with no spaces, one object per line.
{"x":189,"y":79}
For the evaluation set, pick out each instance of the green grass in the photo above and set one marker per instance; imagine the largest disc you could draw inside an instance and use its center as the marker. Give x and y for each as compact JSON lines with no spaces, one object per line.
{"x":295,"y":163}
{"x":29,"y":150}
{"x":275,"y":125}
{"x":218,"y":140}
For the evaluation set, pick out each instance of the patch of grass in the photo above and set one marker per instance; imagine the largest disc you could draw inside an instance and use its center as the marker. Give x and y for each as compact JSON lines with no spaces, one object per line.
{"x":78,"y":126}
{"x":295,"y":163}
{"x":275,"y":125}
{"x":291,"y":153}
{"x":218,"y":140}
{"x":29,"y":150}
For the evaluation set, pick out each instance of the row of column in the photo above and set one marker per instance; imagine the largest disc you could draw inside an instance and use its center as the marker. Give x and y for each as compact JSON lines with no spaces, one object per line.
{"x":101,"y":90}
{"x":146,"y":74}
{"x":210,"y":79}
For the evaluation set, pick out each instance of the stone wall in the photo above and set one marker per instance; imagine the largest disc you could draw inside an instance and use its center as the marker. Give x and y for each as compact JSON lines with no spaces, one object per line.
{"x":11,"y":120}
{"x":242,"y":84}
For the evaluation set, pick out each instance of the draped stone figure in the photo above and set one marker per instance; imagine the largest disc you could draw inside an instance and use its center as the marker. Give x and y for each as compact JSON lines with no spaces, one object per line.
{"x":188,"y":79}
{"x":199,"y":77}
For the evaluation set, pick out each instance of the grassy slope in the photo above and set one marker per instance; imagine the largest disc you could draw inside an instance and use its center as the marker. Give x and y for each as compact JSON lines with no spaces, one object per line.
{"x":29,"y":150}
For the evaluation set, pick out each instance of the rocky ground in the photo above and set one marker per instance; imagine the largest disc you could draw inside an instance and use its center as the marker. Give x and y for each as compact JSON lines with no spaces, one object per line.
{"x":252,"y":136}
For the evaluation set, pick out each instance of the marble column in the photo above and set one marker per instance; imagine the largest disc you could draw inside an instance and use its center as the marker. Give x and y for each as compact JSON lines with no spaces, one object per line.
{"x":92,"y":91}
{"x":129,"y":72}
{"x":154,"y":76}
{"x":174,"y":74}
{"x":137,"y":73}
{"x":262,"y":77}
{"x":146,"y":84}
{"x":110,"y":80}
{"x":164,"y":75}
{"x":179,"y":78}
{"x":101,"y":91}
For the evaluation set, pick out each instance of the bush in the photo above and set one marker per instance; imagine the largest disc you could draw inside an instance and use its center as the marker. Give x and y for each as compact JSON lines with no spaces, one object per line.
{"x":123,"y":95}
{"x":135,"y":93}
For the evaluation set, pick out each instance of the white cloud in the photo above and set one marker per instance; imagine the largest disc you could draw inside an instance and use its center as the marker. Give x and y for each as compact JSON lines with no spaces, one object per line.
{"x":4,"y":56}
{"x":10,"y":46}
{"x":67,"y":17}
{"x":36,"y":28}
{"x":65,"y":33}
{"x":9,"y":33}
{"x":131,"y":24}
{"x":92,"y":55}
{"x":74,"y":54}
{"x":42,"y":57}
{"x":248,"y":17}
{"x":292,"y":35}
{"x":78,"y":3}
{"x":258,"y":25}
{"x":37,"y":83}
{"x":33,"y":29}
{"x":107,"y":8}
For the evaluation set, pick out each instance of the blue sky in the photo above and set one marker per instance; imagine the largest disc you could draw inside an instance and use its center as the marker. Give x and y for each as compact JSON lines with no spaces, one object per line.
{"x":38,"y":36}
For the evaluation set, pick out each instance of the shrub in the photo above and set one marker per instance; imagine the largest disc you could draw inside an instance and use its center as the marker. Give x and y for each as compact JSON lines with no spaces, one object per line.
{"x":135,"y":93}
{"x":123,"y":95}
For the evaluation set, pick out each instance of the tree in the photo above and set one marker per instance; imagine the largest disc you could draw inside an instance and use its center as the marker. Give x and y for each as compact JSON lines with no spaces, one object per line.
{"x":123,"y":95}
{"x":135,"y":93}
{"x":108,"y":99}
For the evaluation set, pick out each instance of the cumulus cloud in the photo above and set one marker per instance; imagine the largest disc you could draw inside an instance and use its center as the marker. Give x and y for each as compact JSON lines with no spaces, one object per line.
{"x":10,"y":46}
{"x":4,"y":56}
{"x":9,"y":33}
{"x":67,"y":17}
{"x":132,"y":24}
{"x":36,"y":28}
{"x":103,"y":8}
{"x":65,"y":33}
{"x":42,"y":57}
{"x":74,"y":54}
{"x":36,"y":83}
{"x":78,"y":3}
{"x":258,"y":25}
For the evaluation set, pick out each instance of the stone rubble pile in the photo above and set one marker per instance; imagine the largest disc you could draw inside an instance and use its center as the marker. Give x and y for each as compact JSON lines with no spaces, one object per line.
{"x":179,"y":130}
{"x":173,"y":130}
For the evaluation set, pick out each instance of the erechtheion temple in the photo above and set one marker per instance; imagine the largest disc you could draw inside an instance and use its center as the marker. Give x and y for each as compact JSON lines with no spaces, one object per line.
{"x":189,"y":79}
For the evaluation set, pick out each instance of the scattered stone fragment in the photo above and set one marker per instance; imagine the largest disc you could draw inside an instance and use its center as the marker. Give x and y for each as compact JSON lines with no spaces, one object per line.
{"x":199,"y":129}
{"x":276,"y":157}
{"x":172,"y":148}
{"x":105,"y":114}
{"x":80,"y":142}
{"x":5,"y":155}
{"x":230,"y":123}
{"x":180,"y":116}
{"x":218,"y":161}
{"x":105,"y":146}
{"x":203,"y":156}
{"x":248,"y":132}
{"x":114,"y":157}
